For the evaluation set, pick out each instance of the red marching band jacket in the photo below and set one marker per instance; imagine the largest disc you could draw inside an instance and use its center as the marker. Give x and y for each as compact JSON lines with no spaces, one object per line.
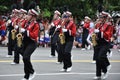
{"x":71,"y":27}
{"x":15,"y":21}
{"x":86,"y":25}
{"x":56,"y":22}
{"x":33,"y":30}
{"x":23,"y":22}
{"x":106,"y":30}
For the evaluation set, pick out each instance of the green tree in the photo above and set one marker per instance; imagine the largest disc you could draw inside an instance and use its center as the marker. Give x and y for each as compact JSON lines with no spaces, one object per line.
{"x":79,"y":8}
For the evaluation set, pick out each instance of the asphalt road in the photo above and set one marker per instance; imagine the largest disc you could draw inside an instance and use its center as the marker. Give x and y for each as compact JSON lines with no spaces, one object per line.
{"x":47,"y":69}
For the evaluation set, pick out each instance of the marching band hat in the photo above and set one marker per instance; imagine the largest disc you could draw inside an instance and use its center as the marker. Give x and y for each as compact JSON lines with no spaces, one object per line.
{"x":104,"y":14}
{"x":23,"y":11}
{"x":68,"y":13}
{"x":33,"y":12}
{"x":118,"y":14}
{"x":57,"y":12}
{"x":16,"y":11}
{"x":86,"y":17}
{"x":109,"y":16}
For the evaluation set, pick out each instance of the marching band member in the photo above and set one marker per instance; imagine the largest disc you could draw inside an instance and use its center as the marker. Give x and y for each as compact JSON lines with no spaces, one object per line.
{"x":61,"y":40}
{"x":53,"y":32}
{"x":69,"y":31}
{"x":91,"y":30}
{"x":21,"y":23}
{"x":10,"y":26}
{"x":30,"y":33}
{"x":111,"y":22}
{"x":104,"y":34}
{"x":86,"y":27}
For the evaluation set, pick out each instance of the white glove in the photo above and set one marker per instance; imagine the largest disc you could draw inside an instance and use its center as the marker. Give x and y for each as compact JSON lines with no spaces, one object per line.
{"x":58,"y":26}
{"x":64,"y":30}
{"x":9,"y":21}
{"x":96,"y":31}
{"x":16,"y":27}
{"x":22,"y":30}
{"x":52,"y":24}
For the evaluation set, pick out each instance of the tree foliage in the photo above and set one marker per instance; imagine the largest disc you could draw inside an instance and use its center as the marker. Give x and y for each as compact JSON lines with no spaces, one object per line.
{"x":79,"y":8}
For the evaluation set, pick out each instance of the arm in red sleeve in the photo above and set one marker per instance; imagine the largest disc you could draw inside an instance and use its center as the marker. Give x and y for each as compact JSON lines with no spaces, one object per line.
{"x":56,"y":22}
{"x":108,"y":33}
{"x":34,"y":33}
{"x":23,"y":23}
{"x":73,"y":30}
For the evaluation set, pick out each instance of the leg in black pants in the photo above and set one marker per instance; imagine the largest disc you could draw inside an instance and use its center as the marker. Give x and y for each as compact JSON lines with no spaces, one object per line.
{"x":102,"y":61}
{"x":95,"y":53}
{"x":84,"y":37}
{"x":10,"y":44}
{"x":28,"y":68}
{"x":67,"y":55}
{"x":54,"y":40}
{"x":17,"y":55}
{"x":53,"y":48}
{"x":60,"y":52}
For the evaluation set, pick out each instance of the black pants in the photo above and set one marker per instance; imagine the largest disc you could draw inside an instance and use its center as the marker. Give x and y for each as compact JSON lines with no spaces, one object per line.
{"x":101,"y":59}
{"x":17,"y":54}
{"x":67,"y":55}
{"x":54,"y":46}
{"x":10,"y":44}
{"x":61,"y":48}
{"x":27,"y":52}
{"x":95,"y":53}
{"x":18,"y":51}
{"x":84,"y":37}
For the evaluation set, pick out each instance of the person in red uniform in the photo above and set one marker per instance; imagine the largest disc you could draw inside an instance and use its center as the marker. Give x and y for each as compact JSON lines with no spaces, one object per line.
{"x":111,"y":22}
{"x":30,"y":33}
{"x":54,"y":33}
{"x":20,"y":24}
{"x":104,"y":34}
{"x":69,"y":31}
{"x":10,"y":25}
{"x":85,"y":33}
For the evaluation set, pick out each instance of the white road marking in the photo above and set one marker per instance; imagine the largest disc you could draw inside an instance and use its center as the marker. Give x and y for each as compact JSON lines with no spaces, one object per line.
{"x":53,"y":74}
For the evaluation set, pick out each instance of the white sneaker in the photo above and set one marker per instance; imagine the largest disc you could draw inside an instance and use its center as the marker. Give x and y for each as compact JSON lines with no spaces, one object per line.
{"x":9,"y":56}
{"x":24,"y":79}
{"x":109,"y":55}
{"x":69,"y":69}
{"x":97,"y":78}
{"x":51,"y":56}
{"x":105,"y":75}
{"x":93,"y":62}
{"x":109,"y":67}
{"x":63,"y":70}
{"x":119,"y":50}
{"x":88,"y":47}
{"x":32,"y":76}
{"x":83,"y":49}
{"x":13,"y":63}
{"x":72,"y":57}
{"x":58,"y":62}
